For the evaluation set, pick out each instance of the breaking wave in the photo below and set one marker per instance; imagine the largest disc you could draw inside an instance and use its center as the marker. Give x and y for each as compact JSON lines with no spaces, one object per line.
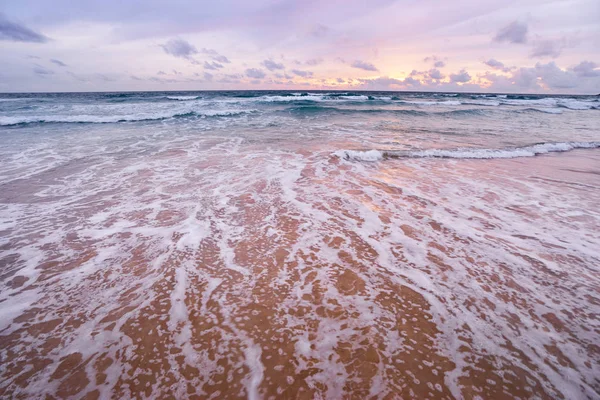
{"x":183,"y":98}
{"x":108,"y":119}
{"x":466,"y":153}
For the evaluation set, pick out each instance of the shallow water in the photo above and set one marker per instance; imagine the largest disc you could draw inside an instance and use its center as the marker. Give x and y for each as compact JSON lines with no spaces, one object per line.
{"x":279,"y":245}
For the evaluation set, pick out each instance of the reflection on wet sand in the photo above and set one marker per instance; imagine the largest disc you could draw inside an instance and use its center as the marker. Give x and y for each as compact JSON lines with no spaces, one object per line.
{"x":300,"y":275}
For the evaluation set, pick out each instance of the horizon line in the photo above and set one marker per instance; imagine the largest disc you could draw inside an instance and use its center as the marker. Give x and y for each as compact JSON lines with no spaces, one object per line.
{"x":303,"y":91}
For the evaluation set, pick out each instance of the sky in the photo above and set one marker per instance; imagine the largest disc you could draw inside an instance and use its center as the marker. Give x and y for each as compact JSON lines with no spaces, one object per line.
{"x":508,"y":46}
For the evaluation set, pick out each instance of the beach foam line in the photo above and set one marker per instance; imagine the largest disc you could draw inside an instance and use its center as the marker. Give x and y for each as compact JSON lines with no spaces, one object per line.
{"x":466,"y":153}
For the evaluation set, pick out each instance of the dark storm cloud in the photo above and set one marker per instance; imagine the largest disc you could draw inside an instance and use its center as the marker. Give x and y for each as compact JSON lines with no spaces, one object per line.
{"x":58,"y":62}
{"x":363,"y":65}
{"x":515,"y":32}
{"x":13,"y":31}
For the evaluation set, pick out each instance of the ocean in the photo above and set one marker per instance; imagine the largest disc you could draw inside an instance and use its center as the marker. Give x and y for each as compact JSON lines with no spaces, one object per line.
{"x":271,"y":245}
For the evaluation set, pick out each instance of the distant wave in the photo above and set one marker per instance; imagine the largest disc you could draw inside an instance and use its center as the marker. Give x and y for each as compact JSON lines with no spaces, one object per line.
{"x":14,"y":99}
{"x":545,"y":110}
{"x":96,"y":119}
{"x":431,"y":103}
{"x":486,"y":101}
{"x":183,"y":98}
{"x":466,"y":153}
{"x":315,"y":109}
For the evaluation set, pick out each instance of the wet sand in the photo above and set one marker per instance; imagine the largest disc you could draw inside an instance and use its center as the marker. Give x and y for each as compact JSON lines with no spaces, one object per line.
{"x":303,"y":276}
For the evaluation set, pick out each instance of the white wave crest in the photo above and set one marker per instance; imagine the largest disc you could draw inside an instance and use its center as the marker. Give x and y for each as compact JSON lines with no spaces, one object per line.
{"x":431,"y":103}
{"x":467,"y":153}
{"x":107,"y":119}
{"x":528,"y":151}
{"x":182,"y":98}
{"x":356,"y":155}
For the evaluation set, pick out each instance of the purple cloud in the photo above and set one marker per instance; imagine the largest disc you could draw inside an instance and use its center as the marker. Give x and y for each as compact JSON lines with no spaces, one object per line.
{"x":39,"y":70}
{"x":587,"y":69}
{"x":15,"y":32}
{"x":383,"y":82}
{"x":437,"y":62}
{"x":555,"y":77}
{"x":272,"y":65}
{"x":215,"y":55}
{"x":255,"y":73}
{"x":212,"y":65}
{"x":179,"y":48}
{"x":304,"y":74}
{"x":319,"y":31}
{"x":495,"y":64}
{"x":58,"y":62}
{"x":314,"y":61}
{"x":525,"y":78}
{"x":547,"y":48}
{"x":222,"y":59}
{"x":435,"y":74}
{"x":363,"y":65}
{"x":461,"y":77}
{"x":410,"y":81}
{"x":515,"y":32}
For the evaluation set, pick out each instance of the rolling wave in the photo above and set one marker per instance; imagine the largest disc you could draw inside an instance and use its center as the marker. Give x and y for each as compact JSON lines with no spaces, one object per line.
{"x":313,"y":109}
{"x":183,"y":98}
{"x":108,"y":119}
{"x":466,"y":153}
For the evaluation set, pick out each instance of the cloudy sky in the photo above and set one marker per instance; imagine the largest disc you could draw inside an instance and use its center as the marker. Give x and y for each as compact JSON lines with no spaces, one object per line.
{"x":470,"y":45}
